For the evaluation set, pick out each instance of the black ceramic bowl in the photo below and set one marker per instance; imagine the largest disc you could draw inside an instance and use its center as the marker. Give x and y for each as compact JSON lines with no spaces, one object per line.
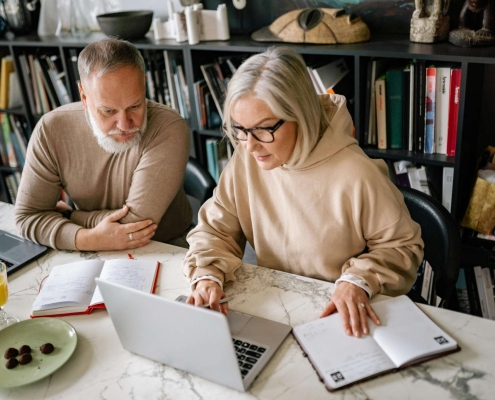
{"x":129,"y":25}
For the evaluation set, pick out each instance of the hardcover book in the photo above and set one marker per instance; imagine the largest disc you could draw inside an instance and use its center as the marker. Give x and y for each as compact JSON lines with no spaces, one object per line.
{"x":71,"y":288}
{"x":406,"y":336}
{"x":430,"y":102}
{"x":455,"y":95}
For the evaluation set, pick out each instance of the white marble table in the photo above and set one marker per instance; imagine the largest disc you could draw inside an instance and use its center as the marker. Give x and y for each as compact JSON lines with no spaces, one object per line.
{"x":101,"y":369}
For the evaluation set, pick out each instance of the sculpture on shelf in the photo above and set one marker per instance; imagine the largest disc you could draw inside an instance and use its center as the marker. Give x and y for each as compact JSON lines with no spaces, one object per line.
{"x":471,"y":33}
{"x":430,"y":22}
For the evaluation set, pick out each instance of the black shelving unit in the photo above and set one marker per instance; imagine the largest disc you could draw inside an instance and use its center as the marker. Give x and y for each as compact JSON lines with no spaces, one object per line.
{"x":476,"y":119}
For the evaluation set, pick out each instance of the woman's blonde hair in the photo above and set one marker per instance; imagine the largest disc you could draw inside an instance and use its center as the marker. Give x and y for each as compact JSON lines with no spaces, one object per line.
{"x":280,"y":78}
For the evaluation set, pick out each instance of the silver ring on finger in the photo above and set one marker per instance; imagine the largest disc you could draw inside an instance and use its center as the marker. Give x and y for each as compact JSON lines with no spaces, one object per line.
{"x":130,"y":236}
{"x":362,"y":305}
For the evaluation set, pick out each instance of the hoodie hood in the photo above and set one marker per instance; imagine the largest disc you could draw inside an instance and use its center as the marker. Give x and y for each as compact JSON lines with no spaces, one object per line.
{"x":336,"y":137}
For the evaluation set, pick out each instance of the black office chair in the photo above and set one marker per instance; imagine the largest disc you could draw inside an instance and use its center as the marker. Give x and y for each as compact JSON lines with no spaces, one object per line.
{"x":198,"y":185}
{"x":442,"y":241}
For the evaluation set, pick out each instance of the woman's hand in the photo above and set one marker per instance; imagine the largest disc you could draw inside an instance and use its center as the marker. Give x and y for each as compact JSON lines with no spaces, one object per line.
{"x":351,"y":302}
{"x":208,"y":292}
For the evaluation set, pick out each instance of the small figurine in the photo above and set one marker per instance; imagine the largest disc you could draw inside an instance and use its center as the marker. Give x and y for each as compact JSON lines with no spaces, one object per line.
{"x":430,"y":22}
{"x":470,"y":33}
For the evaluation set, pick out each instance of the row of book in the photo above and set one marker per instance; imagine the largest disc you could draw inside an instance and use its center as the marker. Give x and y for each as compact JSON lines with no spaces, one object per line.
{"x":405,"y":173}
{"x":475,"y":291}
{"x":14,"y":138}
{"x":166,"y":82}
{"x":43,"y":77}
{"x":218,"y":154}
{"x":10,"y":95}
{"x":412,"y":107}
{"x":209,"y":92}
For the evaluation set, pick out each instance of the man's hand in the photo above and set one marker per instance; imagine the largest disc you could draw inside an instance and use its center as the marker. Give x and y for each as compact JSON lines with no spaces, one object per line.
{"x":352,"y":304}
{"x":208,"y":292}
{"x":110,"y":234}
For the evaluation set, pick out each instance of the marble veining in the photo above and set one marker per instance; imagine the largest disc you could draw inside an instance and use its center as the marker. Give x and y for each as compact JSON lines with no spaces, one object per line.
{"x":101,"y":369}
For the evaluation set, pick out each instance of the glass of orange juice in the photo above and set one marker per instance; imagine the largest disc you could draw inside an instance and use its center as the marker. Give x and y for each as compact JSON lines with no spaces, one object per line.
{"x":5,"y":319}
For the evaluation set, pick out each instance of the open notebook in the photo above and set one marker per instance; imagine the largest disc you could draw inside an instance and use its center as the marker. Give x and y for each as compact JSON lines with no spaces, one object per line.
{"x":71,"y":288}
{"x":405,"y":337}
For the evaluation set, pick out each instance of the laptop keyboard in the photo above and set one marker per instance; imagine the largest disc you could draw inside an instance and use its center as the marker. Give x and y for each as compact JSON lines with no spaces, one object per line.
{"x":247,"y":355}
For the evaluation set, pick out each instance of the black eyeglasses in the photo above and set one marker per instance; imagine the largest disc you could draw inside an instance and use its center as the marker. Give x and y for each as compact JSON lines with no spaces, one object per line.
{"x":262,"y":134}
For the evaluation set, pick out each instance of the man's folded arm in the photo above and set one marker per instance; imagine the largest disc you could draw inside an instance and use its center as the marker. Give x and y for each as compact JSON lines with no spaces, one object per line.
{"x":39,"y":191}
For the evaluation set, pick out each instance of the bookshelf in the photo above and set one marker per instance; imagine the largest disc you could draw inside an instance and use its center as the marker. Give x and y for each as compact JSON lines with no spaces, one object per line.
{"x":475,"y":124}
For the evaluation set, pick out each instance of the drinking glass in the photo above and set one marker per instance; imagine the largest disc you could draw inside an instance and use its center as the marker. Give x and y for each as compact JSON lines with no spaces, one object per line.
{"x":5,"y":319}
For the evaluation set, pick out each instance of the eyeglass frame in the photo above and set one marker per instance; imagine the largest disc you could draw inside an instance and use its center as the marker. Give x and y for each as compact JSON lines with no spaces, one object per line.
{"x":270,"y":129}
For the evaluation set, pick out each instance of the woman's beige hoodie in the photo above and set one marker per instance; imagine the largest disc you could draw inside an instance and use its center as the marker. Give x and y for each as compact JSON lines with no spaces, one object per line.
{"x":337,"y":213}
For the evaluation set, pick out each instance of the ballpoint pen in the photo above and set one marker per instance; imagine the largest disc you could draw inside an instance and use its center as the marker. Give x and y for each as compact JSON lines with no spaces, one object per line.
{"x":224,"y":300}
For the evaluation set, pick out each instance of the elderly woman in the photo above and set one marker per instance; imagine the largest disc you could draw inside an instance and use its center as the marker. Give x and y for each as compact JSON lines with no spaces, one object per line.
{"x":305,"y":196}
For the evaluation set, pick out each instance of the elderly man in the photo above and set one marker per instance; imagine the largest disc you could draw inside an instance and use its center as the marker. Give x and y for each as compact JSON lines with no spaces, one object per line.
{"x":119,"y":157}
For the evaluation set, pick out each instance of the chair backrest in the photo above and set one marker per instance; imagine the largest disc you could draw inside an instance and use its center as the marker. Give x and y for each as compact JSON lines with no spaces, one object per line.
{"x":198,"y":185}
{"x":441,"y":237}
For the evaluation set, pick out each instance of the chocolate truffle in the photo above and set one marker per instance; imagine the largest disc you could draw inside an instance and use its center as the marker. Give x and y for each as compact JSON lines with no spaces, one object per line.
{"x":25,"y":359}
{"x":11,"y":352}
{"x":12,"y":363}
{"x":24,"y":349}
{"x":47,"y":348}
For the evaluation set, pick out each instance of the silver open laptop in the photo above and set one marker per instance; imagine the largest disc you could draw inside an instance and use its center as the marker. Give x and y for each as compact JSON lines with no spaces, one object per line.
{"x":230,"y":350}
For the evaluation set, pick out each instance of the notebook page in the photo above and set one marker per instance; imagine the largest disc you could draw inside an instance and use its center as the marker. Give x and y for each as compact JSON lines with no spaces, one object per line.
{"x":68,"y":284}
{"x":406,"y":333}
{"x":340,"y":359}
{"x":136,"y":274}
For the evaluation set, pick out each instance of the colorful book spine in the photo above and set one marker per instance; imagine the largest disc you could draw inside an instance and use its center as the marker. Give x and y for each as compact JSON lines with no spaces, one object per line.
{"x":455,"y":95}
{"x":430,"y":110}
{"x":381,"y":112}
{"x":442,"y":99}
{"x":394,"y":79}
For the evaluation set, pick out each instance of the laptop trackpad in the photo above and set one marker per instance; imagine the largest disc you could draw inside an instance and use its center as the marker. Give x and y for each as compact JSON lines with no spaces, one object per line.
{"x":237,"y":321}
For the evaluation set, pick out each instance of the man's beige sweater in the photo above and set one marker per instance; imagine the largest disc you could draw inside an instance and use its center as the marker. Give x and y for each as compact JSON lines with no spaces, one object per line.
{"x":64,"y":154}
{"x":338,"y":213}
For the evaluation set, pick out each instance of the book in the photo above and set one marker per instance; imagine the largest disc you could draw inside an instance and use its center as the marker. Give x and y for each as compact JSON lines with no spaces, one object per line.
{"x":462,"y":293}
{"x":381,"y":112}
{"x":480,"y":284}
{"x":427,"y":282}
{"x":395,"y":81}
{"x":216,"y":85}
{"x":419,"y":104}
{"x":34,"y":82}
{"x":430,"y":103}
{"x":170,"y":80}
{"x":26,"y":79}
{"x":407,"y":108}
{"x":405,"y":337}
{"x":442,"y":98}
{"x":447,"y":187}
{"x":7,"y":66}
{"x":14,"y":97}
{"x":378,"y":68}
{"x":489,"y":292}
{"x":400,"y":169}
{"x":74,"y":73}
{"x":71,"y":288}
{"x":472,"y":291}
{"x":328,"y":75}
{"x":455,"y":95}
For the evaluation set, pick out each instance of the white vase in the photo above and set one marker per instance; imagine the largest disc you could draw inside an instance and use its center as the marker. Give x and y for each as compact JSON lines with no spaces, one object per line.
{"x":48,"y":18}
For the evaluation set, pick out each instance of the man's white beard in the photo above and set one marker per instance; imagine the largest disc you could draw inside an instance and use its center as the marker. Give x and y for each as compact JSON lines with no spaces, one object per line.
{"x":109,"y":144}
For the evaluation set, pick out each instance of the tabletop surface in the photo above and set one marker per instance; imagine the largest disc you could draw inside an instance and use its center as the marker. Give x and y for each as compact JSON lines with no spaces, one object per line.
{"x":101,"y":368}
